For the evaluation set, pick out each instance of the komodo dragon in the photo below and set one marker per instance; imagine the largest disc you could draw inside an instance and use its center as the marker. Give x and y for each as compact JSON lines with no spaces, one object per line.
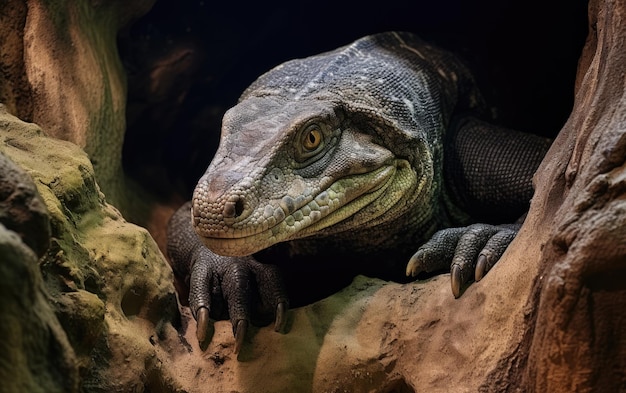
{"x":352,"y":159}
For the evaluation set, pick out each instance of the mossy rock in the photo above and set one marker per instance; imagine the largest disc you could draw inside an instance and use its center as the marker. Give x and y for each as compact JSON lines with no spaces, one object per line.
{"x":106,"y":280}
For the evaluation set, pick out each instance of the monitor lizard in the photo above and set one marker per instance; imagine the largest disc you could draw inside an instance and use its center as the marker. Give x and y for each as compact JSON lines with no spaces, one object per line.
{"x":376,"y":158}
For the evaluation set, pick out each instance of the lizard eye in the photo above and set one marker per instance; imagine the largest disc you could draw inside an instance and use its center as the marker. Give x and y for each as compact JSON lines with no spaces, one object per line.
{"x":310,"y":142}
{"x":312,"y":138}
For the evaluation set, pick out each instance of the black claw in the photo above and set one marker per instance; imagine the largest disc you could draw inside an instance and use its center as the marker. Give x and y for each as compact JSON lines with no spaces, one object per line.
{"x":455,"y":280}
{"x":240,"y":334}
{"x":202,"y":317}
{"x":281,"y":317}
{"x":481,"y":267}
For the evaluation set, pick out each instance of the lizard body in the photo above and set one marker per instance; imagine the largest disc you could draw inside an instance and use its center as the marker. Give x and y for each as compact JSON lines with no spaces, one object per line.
{"x":359,"y":154}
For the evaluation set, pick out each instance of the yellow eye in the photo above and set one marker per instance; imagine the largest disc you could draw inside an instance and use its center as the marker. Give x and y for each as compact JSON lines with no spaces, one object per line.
{"x":312,"y":139}
{"x":310,"y":143}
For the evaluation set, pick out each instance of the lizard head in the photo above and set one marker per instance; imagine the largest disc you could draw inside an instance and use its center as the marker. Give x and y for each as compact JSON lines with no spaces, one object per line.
{"x":287,"y":171}
{"x":332,"y":144}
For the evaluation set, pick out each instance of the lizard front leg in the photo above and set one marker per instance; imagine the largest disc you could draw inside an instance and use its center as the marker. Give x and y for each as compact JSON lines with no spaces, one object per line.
{"x":237,"y":288}
{"x":472,"y":249}
{"x":488,"y":172}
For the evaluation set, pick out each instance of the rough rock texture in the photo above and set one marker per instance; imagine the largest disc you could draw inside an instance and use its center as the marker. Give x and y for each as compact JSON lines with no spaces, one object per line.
{"x":36,"y":355}
{"x":98,"y":312}
{"x":31,"y":334}
{"x":579,"y":338}
{"x":91,"y":314}
{"x":21,"y":209}
{"x":60,"y":69}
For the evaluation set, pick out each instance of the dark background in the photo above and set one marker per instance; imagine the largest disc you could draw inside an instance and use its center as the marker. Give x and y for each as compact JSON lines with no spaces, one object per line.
{"x":188,"y":61}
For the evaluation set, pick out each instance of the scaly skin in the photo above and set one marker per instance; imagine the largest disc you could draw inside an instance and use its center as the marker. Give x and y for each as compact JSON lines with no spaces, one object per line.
{"x":364,"y":154}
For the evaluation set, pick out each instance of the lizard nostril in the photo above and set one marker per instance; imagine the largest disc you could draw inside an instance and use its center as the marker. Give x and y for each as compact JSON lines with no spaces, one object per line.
{"x":233,"y":208}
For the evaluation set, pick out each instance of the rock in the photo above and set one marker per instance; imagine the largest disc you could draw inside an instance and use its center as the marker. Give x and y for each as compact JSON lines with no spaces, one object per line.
{"x":36,"y":355}
{"x":62,"y":72}
{"x":98,"y":311}
{"x":21,"y":209}
{"x":108,"y":284}
{"x":578,"y":325}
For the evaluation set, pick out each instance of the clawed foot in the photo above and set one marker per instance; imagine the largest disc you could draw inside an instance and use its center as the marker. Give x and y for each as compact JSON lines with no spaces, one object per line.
{"x":240,"y":289}
{"x":237,"y":288}
{"x":472,"y":249}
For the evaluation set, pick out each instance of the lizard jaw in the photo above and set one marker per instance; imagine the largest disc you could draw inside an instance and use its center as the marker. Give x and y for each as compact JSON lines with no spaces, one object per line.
{"x":340,"y":200}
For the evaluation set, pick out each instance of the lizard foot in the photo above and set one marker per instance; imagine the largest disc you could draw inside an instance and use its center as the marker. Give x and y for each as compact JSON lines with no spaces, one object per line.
{"x":240,"y":289}
{"x":475,"y":248}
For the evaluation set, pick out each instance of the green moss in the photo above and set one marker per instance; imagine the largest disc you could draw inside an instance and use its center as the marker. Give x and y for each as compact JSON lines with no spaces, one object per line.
{"x":109,"y":283}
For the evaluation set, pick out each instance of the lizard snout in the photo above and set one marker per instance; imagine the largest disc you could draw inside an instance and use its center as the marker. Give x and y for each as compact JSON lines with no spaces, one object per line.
{"x":233,"y":207}
{"x":217,"y":212}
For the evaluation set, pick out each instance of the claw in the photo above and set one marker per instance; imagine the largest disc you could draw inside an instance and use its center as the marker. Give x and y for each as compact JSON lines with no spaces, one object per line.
{"x":202,"y":316}
{"x":481,"y":267}
{"x":455,"y":280}
{"x":240,"y":334}
{"x":281,"y":317}
{"x":412,"y":267}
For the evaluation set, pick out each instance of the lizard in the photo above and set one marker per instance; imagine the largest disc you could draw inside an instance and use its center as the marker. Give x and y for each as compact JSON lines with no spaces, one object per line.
{"x":376,"y":158}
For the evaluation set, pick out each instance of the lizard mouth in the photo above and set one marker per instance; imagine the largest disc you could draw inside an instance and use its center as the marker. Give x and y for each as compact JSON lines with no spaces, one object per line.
{"x":342,"y":199}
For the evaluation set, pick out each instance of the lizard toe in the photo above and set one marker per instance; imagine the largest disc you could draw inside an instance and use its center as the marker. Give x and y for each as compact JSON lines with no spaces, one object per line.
{"x":240,"y":330}
{"x":203,"y":302}
{"x":281,"y":317}
{"x":466,"y":252}
{"x":240,"y":289}
{"x":255,"y":294}
{"x":493,"y":250}
{"x":237,"y":286}
{"x":202,"y":318}
{"x":273,"y":299}
{"x":481,"y":267}
{"x":469,"y":252}
{"x":435,"y":254}
{"x":456,"y":280}
{"x":477,"y":251}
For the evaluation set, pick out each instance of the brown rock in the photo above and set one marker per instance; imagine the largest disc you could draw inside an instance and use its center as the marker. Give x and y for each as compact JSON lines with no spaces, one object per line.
{"x":103,"y":314}
{"x":579,"y":338}
{"x":60,"y":69}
